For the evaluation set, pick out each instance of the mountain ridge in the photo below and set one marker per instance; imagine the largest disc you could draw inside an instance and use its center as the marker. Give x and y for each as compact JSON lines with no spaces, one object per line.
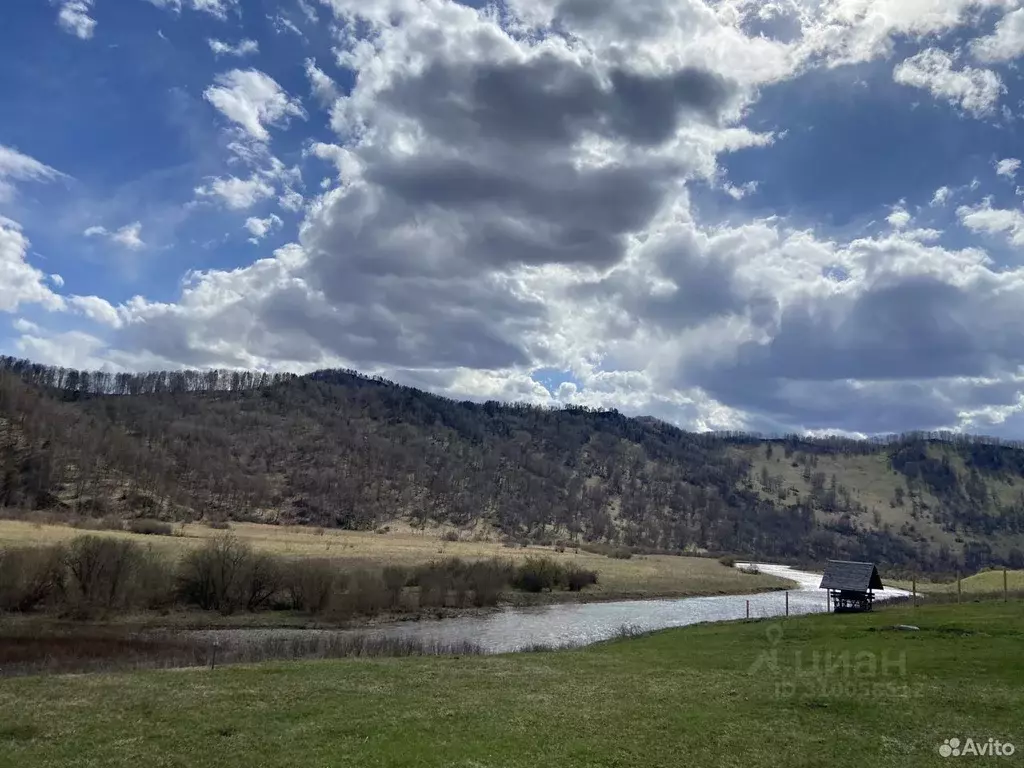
{"x":337,"y":448}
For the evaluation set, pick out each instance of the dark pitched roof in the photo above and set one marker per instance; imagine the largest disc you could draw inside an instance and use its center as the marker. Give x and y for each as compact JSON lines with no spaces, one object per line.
{"x":857,"y":577}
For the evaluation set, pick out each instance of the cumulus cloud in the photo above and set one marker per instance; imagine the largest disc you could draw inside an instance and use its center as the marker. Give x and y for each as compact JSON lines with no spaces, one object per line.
{"x":984,"y":218}
{"x":1008,"y":167}
{"x":253,"y":100}
{"x":74,"y":18}
{"x":976,"y":91}
{"x":96,"y":309}
{"x":1005,"y":43}
{"x":22,"y":283}
{"x":260,"y":228}
{"x":237,"y":194}
{"x":242,"y":48}
{"x":128,"y":236}
{"x":508,"y":201}
{"x":899,"y":218}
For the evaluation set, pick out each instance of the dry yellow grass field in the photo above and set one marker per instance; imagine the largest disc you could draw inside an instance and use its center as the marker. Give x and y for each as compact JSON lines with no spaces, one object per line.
{"x":638,"y":577}
{"x":987,"y":582}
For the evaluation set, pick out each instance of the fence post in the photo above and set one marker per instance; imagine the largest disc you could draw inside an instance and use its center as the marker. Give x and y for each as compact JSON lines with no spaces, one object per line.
{"x":787,"y":603}
{"x":1006,"y":591}
{"x":748,"y":609}
{"x":958,"y":588}
{"x":828,"y":600}
{"x":914,"y":587}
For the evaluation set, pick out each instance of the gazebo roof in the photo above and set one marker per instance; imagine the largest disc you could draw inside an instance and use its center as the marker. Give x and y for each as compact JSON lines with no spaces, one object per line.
{"x":851,"y":576}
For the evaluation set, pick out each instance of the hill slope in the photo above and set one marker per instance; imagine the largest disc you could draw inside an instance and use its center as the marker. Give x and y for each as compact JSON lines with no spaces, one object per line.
{"x":338,"y":449}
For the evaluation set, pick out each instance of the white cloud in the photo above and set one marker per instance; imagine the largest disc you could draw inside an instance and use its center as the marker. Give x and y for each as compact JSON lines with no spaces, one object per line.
{"x":96,"y":309}
{"x":57,"y":280}
{"x":742,"y":191}
{"x":985,"y":218}
{"x":291,"y":200}
{"x":253,"y":100}
{"x":899,"y":218}
{"x":976,"y":91}
{"x":15,"y":166}
{"x":72,"y":349}
{"x":237,"y":194}
{"x":22,"y":283}
{"x":1008,"y":167}
{"x":242,"y":48}
{"x":855,"y":31}
{"x":129,"y":236}
{"x":508,"y":200}
{"x":216,"y":8}
{"x":74,"y":18}
{"x":324,"y":88}
{"x":1005,"y":43}
{"x":942,"y":196}
{"x":260,"y":228}
{"x":309,"y":12}
{"x":282,"y":24}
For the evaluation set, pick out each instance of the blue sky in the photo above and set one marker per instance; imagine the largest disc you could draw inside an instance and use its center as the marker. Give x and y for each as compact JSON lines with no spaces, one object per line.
{"x":723,"y":213}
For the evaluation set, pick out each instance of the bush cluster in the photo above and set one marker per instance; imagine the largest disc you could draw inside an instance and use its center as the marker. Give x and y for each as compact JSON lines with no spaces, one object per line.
{"x":96,"y":574}
{"x":608,"y":550}
{"x":537,"y":574}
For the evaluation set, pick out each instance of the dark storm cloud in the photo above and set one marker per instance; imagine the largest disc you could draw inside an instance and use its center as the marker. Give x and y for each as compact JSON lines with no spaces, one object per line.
{"x":703,"y":285}
{"x":417,"y":333}
{"x":912,"y":343}
{"x":549,"y":101}
{"x":918,"y":328}
{"x":631,"y":20}
{"x":563,"y":215}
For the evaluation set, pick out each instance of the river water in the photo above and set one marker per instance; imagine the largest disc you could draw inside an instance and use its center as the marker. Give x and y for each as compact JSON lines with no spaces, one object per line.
{"x":561,"y":625}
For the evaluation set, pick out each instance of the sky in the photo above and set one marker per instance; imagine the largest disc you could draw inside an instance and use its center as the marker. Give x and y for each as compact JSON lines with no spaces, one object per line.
{"x":794,"y":215}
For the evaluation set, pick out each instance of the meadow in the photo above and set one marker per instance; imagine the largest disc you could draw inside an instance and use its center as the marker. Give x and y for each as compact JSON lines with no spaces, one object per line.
{"x":640,"y":576}
{"x":850,"y":690}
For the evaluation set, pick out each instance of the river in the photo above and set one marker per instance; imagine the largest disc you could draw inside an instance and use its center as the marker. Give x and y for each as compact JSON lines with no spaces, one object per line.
{"x":567,"y":624}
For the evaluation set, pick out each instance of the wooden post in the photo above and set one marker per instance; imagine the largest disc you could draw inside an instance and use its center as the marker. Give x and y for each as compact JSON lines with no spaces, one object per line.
{"x":787,"y":603}
{"x":1006,"y":592}
{"x":914,"y":588}
{"x":958,"y":588}
{"x":828,"y":600}
{"x":748,"y":609}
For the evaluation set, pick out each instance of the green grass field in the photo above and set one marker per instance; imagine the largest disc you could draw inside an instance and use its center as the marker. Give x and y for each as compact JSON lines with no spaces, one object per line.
{"x":676,"y":698}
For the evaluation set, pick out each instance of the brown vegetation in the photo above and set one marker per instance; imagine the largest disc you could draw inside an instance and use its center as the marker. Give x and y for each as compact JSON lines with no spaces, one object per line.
{"x":338,"y":450}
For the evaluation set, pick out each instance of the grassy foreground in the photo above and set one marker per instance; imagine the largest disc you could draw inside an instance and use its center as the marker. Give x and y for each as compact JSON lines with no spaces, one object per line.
{"x":682,"y":697}
{"x":638,"y":577}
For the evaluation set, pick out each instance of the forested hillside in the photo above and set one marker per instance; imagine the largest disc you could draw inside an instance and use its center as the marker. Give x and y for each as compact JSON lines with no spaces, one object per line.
{"x":338,"y":449}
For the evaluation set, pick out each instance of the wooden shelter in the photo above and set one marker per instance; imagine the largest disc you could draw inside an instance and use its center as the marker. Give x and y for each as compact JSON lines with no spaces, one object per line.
{"x":851,"y":585}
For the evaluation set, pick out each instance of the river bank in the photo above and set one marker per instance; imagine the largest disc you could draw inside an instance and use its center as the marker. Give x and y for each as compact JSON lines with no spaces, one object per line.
{"x":694,"y":696}
{"x":37,"y":644}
